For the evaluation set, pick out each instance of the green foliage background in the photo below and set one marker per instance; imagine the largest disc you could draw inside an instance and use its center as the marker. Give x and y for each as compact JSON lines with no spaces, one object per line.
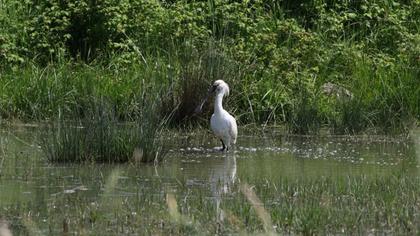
{"x":55,"y":55}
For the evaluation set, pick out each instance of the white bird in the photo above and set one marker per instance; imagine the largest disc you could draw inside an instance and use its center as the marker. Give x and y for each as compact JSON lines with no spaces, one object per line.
{"x":222,"y":123}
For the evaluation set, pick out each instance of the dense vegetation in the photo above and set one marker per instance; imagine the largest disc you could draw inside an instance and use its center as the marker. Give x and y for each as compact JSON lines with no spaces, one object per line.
{"x":58,"y":57}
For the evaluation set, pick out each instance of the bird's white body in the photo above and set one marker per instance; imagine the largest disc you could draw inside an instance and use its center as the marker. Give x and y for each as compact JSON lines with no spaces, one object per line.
{"x":222,"y":123}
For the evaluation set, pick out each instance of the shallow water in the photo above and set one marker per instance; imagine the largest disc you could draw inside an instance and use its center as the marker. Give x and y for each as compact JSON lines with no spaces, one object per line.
{"x":36,"y":196}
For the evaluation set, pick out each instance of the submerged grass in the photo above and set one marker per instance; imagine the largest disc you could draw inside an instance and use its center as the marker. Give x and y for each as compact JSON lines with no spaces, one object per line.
{"x":352,"y":205}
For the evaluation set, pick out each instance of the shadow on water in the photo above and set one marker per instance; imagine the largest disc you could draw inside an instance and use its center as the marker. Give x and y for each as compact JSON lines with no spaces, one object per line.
{"x":194,"y":171}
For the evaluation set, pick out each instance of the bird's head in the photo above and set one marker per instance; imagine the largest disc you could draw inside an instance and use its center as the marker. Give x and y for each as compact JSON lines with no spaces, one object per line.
{"x":218,"y":87}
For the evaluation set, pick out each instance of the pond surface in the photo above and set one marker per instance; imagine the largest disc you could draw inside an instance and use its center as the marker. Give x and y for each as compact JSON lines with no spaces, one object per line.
{"x":40,"y":197}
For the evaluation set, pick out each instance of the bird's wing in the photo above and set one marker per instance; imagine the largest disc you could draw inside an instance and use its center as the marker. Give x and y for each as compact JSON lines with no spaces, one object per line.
{"x":233,"y":131}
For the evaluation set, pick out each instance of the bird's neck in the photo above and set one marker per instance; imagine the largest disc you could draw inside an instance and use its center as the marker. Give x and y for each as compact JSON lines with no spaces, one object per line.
{"x":218,"y":107}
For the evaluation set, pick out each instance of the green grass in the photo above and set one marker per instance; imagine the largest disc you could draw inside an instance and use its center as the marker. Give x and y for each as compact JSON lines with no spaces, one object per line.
{"x":100,"y":137}
{"x":385,"y":98}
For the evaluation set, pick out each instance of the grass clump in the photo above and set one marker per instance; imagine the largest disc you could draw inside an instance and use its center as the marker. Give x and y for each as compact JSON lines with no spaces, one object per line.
{"x":101,"y":137}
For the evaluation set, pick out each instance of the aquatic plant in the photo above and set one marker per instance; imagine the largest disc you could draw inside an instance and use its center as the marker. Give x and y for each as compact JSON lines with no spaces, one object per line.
{"x":100,"y":137}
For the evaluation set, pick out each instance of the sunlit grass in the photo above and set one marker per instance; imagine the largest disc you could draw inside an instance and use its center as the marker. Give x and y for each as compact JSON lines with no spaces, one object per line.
{"x":275,"y":57}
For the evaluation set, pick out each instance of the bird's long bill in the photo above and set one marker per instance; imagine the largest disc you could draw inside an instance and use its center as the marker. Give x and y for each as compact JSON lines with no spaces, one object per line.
{"x":200,"y":107}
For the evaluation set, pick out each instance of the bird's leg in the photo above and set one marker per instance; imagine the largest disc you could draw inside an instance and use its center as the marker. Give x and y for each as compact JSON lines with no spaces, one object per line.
{"x":223,"y":144}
